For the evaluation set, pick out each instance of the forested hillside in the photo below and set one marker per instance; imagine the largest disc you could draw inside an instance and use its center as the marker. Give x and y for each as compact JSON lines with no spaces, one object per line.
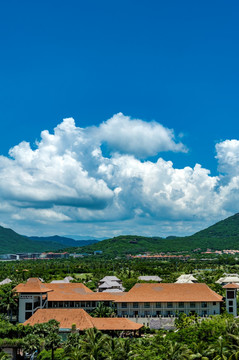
{"x":222,"y":235}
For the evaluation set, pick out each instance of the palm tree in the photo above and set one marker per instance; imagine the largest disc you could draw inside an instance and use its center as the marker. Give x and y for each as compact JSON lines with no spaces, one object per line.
{"x":94,"y":344}
{"x":176,"y":351}
{"x":53,"y":340}
{"x":103,"y":311}
{"x":72,"y":346}
{"x":8,"y":300}
{"x":32,"y":344}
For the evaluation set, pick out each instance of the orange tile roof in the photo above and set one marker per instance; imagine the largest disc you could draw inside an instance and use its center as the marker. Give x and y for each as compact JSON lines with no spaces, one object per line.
{"x":115,"y":324}
{"x":65,"y":291}
{"x":77,"y":292}
{"x":33,"y":285}
{"x":81,"y":319}
{"x":194,"y":292}
{"x":231,"y":286}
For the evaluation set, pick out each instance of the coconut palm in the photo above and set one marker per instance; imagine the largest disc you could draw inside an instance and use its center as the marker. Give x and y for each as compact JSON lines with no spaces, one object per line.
{"x":176,"y":351}
{"x":95,"y":345}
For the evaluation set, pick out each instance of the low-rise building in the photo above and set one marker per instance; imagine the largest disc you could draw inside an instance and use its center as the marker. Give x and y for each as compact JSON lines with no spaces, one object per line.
{"x":168,"y":299}
{"x":143,"y":300}
{"x":150,"y":278}
{"x":186,"y":279}
{"x":81,"y":320}
{"x":228,"y":279}
{"x":109,"y":284}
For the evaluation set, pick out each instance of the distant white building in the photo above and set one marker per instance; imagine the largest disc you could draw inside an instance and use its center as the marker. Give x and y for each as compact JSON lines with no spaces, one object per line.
{"x":5,"y":281}
{"x":150,"y":278}
{"x":228,"y":279}
{"x":186,"y":279}
{"x":110,"y":284}
{"x":66,"y":280}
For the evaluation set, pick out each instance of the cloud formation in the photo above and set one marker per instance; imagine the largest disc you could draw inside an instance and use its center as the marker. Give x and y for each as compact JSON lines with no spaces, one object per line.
{"x":67,"y":179}
{"x":137,"y":137}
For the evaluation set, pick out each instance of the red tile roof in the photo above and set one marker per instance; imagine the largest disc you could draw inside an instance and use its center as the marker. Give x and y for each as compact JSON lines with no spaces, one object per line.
{"x":33,"y":285}
{"x":65,"y":291}
{"x":231,"y":286}
{"x":81,"y":319}
{"x":77,"y":292}
{"x":170,"y":293}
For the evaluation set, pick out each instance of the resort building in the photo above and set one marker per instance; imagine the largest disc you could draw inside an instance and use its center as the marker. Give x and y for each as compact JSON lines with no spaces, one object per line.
{"x":143,"y":300}
{"x":82,"y":321}
{"x":150,"y":278}
{"x":231,"y":298}
{"x":168,"y":300}
{"x":66,"y":280}
{"x":228,"y":279}
{"x":34,"y":295}
{"x":110,"y":284}
{"x":186,"y":279}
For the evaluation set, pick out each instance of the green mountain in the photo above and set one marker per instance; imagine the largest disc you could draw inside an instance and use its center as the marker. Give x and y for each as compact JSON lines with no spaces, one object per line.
{"x":63,"y":241}
{"x":11,"y":242}
{"x":222,"y":235}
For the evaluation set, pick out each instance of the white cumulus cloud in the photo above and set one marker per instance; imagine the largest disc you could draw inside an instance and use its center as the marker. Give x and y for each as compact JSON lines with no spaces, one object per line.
{"x":137,"y":137}
{"x":66,"y":178}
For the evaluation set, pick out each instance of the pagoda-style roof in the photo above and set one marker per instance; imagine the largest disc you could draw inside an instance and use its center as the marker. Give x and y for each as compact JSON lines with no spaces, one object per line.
{"x":33,"y":285}
{"x":231,"y":286}
{"x":82,"y":320}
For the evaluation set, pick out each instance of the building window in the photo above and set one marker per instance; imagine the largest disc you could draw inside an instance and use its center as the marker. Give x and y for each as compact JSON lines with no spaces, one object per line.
{"x":124,"y":305}
{"x":28,"y":306}
{"x":124,"y":313}
{"x":147,"y":305}
{"x":158,"y":313}
{"x":230,"y":294}
{"x":192,"y":305}
{"x":204,"y":304}
{"x":135,"y":305}
{"x":204,"y":313}
{"x":230,"y":309}
{"x":28,"y":315}
{"x":82,"y":304}
{"x":181,"y":305}
{"x":214,"y":303}
{"x":50,"y":304}
{"x":136,"y":313}
{"x":169,"y":313}
{"x":146,"y":313}
{"x":169,"y":304}
{"x":60,"y":304}
{"x":158,"y":304}
{"x":230,"y":303}
{"x":72,"y":304}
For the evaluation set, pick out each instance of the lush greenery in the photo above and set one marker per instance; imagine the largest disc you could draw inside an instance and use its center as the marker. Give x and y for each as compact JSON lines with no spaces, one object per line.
{"x":215,"y":338}
{"x":210,"y":339}
{"x":222,"y":235}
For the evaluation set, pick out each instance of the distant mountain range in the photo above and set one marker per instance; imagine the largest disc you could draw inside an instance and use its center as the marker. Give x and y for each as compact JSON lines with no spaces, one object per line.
{"x":63,"y":241}
{"x":222,"y":235}
{"x":12,"y":242}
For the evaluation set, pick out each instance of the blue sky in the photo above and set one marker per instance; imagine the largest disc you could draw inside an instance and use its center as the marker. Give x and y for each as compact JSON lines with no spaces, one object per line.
{"x":174,"y":63}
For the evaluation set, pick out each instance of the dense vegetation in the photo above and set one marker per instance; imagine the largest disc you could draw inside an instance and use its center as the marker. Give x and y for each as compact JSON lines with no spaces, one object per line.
{"x":222,"y":235}
{"x":211,"y":339}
